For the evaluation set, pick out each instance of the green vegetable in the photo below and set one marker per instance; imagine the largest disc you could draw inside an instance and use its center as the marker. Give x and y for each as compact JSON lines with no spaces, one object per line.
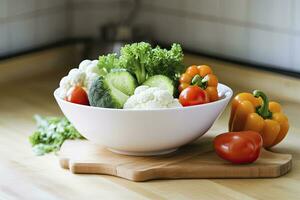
{"x":51,"y":133}
{"x":143,"y":61}
{"x":136,"y":58}
{"x":112,"y":90}
{"x":108,"y":63}
{"x":168,"y":63}
{"x":160,"y":81}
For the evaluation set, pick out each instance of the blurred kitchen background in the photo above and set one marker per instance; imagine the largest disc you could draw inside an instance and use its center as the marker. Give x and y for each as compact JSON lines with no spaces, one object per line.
{"x":264,"y":34}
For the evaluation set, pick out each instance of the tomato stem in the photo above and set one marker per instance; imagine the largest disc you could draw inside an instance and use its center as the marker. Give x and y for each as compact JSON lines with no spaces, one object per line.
{"x":263,"y":110}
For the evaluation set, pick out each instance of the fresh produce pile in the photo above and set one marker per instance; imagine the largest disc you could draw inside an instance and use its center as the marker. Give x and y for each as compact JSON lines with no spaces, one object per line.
{"x":254,"y":123}
{"x":142,"y":77}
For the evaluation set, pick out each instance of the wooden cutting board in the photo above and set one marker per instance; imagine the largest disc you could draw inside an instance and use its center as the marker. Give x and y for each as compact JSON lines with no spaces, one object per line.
{"x":192,"y":161}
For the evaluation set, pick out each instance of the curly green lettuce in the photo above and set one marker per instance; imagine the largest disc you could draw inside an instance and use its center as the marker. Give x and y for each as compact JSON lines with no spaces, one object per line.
{"x":51,"y":133}
{"x":143,"y":61}
{"x":166,"y":62}
{"x":108,"y":63}
{"x":136,"y":58}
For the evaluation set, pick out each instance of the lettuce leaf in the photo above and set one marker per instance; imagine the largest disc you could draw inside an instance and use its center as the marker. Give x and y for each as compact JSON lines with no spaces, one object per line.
{"x":51,"y":133}
{"x":143,"y":61}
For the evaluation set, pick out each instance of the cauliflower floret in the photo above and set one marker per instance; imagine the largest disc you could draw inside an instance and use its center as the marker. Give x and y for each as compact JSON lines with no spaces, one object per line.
{"x":140,"y":89}
{"x":89,"y":66}
{"x":174,"y":104}
{"x":146,"y":97}
{"x":91,"y":70}
{"x":76,"y":77}
{"x":64,"y":86}
{"x":84,"y":64}
{"x":163,"y":96}
{"x":82,"y":76}
{"x":64,"y":82}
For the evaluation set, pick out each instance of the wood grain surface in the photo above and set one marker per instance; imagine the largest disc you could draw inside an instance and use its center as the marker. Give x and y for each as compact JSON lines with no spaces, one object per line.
{"x":26,"y":176}
{"x":195,"y":160}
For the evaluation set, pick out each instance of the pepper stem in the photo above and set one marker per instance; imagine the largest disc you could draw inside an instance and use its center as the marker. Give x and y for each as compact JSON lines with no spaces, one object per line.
{"x":263,"y":110}
{"x":199,"y":81}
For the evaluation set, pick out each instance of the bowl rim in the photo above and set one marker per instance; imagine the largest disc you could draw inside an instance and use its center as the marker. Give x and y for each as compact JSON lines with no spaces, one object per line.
{"x":227,"y":96}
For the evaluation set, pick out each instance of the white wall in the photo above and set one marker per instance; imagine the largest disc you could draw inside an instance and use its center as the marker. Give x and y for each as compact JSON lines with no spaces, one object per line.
{"x":89,"y":15}
{"x":261,"y":31}
{"x":29,"y":23}
{"x":25,"y":24}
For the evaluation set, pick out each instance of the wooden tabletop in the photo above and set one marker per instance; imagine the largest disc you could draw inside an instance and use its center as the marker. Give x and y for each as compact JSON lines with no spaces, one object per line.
{"x":26,"y":176}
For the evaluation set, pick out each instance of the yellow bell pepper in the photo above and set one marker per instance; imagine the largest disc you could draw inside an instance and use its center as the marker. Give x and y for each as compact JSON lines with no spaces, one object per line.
{"x":255,"y":112}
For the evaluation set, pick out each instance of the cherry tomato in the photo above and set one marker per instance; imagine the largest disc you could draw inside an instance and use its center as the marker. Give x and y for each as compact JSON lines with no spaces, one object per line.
{"x":239,"y":147}
{"x":193,"y":95}
{"x":192,"y":70}
{"x":212,"y":93}
{"x":79,"y":96}
{"x":182,"y":86}
{"x":185,"y":78}
{"x":204,"y":70}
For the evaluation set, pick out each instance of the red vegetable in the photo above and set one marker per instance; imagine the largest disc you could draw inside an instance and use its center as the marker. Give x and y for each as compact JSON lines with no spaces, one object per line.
{"x":193,"y":95}
{"x":238,"y":147}
{"x":79,"y":96}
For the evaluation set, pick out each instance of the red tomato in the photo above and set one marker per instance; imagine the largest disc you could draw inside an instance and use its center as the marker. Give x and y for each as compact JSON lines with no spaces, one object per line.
{"x":238,"y":147}
{"x":193,"y":95}
{"x":79,"y":96}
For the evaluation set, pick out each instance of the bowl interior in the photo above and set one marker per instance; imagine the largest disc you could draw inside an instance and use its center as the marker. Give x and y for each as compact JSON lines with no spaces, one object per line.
{"x":225,"y":93}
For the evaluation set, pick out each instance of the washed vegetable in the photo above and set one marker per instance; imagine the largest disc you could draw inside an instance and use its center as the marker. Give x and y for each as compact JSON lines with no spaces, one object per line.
{"x":75,"y":78}
{"x":79,"y":96}
{"x":203,"y":77}
{"x":136,"y":58}
{"x":91,"y":70}
{"x":238,"y":147}
{"x":162,"y":82}
{"x":51,"y":133}
{"x":193,"y":95}
{"x":255,"y":112}
{"x":112,"y":90}
{"x":82,"y":77}
{"x":108,"y":63}
{"x":146,"y":97}
{"x":143,"y":61}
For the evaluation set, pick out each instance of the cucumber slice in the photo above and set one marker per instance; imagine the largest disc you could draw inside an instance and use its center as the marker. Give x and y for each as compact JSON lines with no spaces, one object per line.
{"x":162,"y":82}
{"x":122,"y":81}
{"x":113,"y":90}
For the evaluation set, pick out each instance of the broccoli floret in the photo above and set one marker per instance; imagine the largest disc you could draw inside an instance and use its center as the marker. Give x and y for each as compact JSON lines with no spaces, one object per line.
{"x":136,"y":58}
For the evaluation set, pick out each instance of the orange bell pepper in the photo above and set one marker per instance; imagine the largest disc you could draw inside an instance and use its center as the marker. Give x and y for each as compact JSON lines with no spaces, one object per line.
{"x":202,"y":76}
{"x":255,"y":112}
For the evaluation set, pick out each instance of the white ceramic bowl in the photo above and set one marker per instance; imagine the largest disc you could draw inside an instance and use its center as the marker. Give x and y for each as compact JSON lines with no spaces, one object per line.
{"x":144,"y":132}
